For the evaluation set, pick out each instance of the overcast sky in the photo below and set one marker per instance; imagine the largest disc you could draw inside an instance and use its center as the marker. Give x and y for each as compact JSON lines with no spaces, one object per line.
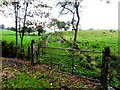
{"x":96,"y":14}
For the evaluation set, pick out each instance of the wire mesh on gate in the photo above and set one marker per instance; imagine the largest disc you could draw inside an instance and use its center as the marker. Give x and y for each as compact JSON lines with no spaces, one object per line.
{"x":72,"y":61}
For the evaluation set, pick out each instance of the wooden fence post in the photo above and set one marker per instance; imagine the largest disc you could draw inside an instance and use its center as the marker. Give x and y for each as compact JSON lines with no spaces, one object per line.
{"x":32,"y":51}
{"x":22,"y":52}
{"x":72,"y":63}
{"x":16,"y":50}
{"x":28,"y":52}
{"x":51,"y":64}
{"x":104,"y":68}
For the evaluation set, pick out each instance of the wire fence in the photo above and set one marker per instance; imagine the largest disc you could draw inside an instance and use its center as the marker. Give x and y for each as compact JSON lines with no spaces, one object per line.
{"x":73,"y":61}
{"x":90,"y":64}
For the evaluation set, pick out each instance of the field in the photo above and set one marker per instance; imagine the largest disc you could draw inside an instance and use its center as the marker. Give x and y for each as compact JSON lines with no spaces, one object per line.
{"x":86,"y":40}
{"x":93,"y":39}
{"x":9,"y":36}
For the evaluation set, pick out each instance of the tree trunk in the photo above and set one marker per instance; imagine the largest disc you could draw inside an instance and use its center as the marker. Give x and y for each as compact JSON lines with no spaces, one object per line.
{"x":78,"y":20}
{"x":23,"y":29}
{"x":21,"y":42}
{"x":75,"y":38}
{"x":16,"y":19}
{"x":38,"y":33}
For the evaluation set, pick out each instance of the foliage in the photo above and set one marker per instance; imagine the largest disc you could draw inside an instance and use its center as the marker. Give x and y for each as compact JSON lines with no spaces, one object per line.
{"x":62,"y":25}
{"x":29,"y":30}
{"x":22,"y":10}
{"x":2,"y":26}
{"x":59,"y":24}
{"x":12,"y":28}
{"x":40,"y":29}
{"x":53,"y":23}
{"x":9,"y":51}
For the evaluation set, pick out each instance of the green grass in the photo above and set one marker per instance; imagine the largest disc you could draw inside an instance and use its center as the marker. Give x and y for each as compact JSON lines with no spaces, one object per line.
{"x":65,"y":58}
{"x":26,"y":79}
{"x":4,"y":31}
{"x":95,"y":39}
{"x":26,"y":40}
{"x":5,"y":36}
{"x":86,"y":40}
{"x":37,"y":78}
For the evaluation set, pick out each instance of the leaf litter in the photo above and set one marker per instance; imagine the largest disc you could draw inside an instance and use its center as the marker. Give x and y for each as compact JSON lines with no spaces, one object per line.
{"x":11,"y":66}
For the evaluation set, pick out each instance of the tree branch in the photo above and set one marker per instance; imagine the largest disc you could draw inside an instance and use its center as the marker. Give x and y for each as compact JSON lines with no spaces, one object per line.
{"x":77,"y":13}
{"x":72,"y":22}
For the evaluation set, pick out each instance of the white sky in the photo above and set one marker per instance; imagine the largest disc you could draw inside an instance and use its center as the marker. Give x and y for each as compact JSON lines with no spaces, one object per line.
{"x":96,"y":14}
{"x":100,"y":15}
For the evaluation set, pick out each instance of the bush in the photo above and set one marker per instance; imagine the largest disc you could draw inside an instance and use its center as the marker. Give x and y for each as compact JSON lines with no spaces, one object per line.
{"x":9,"y":50}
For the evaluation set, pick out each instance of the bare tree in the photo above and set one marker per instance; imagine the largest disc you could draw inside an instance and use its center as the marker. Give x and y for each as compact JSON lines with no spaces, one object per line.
{"x":74,"y":7}
{"x":15,"y":4}
{"x":22,"y":32}
{"x":6,"y":10}
{"x":32,"y":9}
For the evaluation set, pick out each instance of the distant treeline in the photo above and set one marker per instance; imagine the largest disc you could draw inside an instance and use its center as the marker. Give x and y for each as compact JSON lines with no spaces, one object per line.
{"x":2,"y":26}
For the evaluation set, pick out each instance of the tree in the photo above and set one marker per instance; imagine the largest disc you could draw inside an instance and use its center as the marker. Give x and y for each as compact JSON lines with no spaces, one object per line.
{"x":61,"y":25}
{"x":12,"y":28}
{"x":24,"y":28}
{"x":29,"y":30}
{"x":2,"y":26}
{"x":53,"y":23}
{"x":6,"y":10}
{"x":36,"y":12}
{"x":67,"y":25}
{"x":40,"y":29}
{"x":26,"y":9}
{"x":73,"y":7}
{"x":16,"y":7}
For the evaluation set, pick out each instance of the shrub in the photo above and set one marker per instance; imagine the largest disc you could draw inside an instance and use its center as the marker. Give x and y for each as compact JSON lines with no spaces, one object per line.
{"x":9,"y":50}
